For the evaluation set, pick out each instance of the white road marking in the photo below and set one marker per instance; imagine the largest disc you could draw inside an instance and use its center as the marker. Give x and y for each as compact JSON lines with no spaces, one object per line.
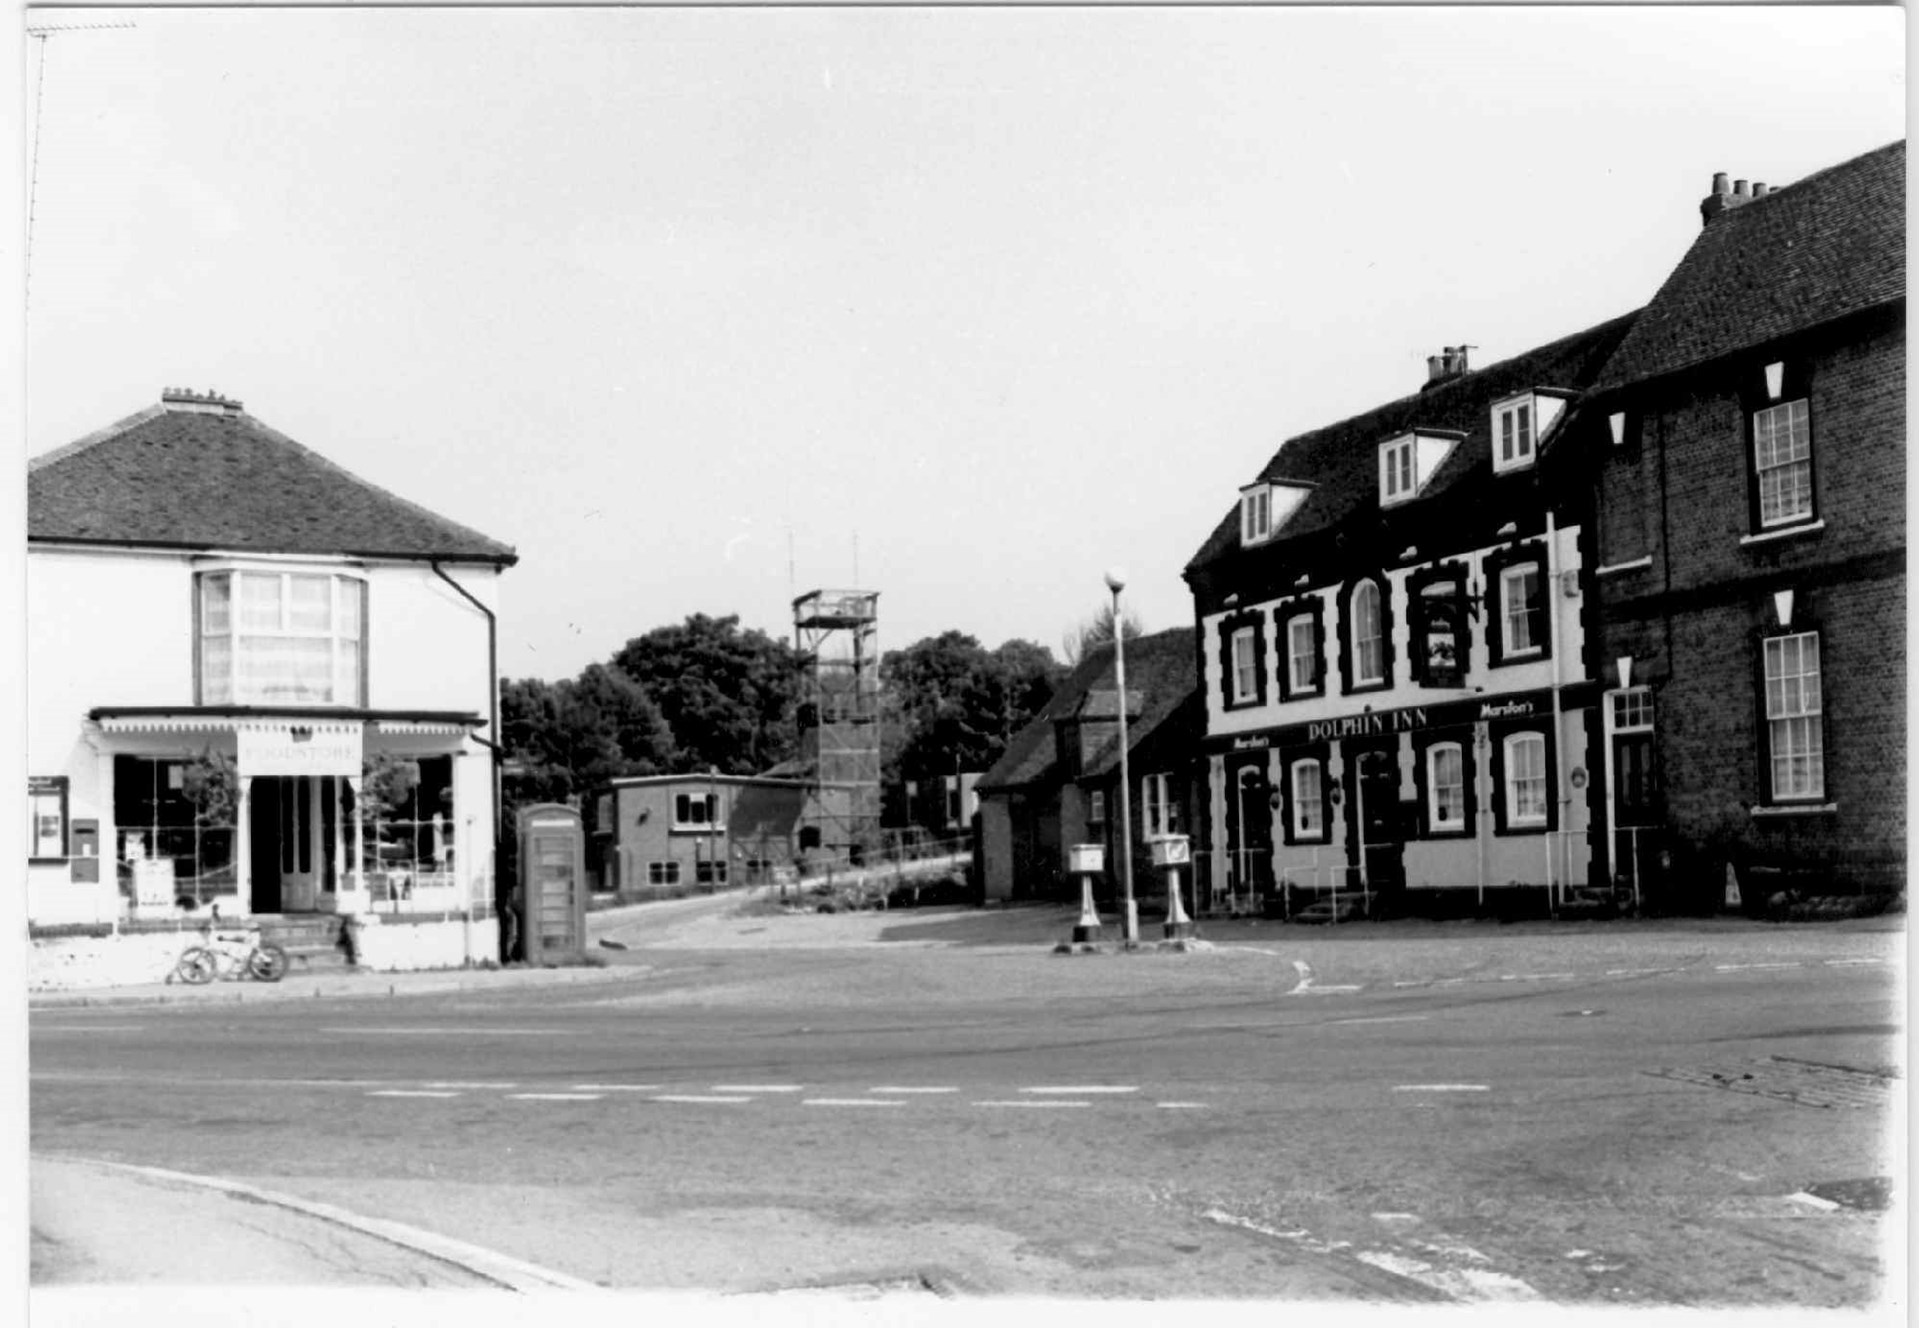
{"x":758,"y":1088}
{"x":1181,"y":1106}
{"x":448,"y":1032}
{"x":698,"y":1098}
{"x":1082,"y":1088}
{"x":1384,"y":1019}
{"x":1730,"y":968}
{"x":1306,"y":987}
{"x":1439,"y":1088}
{"x":1838,"y":962}
{"x":849,"y":1102}
{"x":104,"y":1028}
{"x":410,"y":1092}
{"x":554,"y":1097}
{"x":913,"y":1090}
{"x":1534,"y":977}
{"x":1468,"y":1284}
{"x":616,"y":1088}
{"x":1814,"y":1201}
{"x":469,"y":1083}
{"x":1046,"y":1102}
{"x":1633,"y":972}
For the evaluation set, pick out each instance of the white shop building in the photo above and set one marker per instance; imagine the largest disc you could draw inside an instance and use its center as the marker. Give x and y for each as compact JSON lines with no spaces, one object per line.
{"x":253,"y":679}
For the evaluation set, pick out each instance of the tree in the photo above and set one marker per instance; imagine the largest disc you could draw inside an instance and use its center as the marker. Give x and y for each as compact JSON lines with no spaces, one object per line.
{"x":1097,"y":631}
{"x":561,"y":738}
{"x":726,"y":695}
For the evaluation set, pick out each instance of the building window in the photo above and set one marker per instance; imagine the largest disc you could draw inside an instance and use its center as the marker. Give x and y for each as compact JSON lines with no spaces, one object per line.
{"x":695,"y":811}
{"x":1308,"y":818}
{"x":1794,"y":737}
{"x":707,"y":872}
{"x":1438,"y":657}
{"x":281,"y":638}
{"x":1097,"y":807}
{"x":1156,"y":801}
{"x":47,"y":816}
{"x":663,"y":873}
{"x":1526,"y":779}
{"x":1446,"y":788}
{"x":1367,"y":640}
{"x":1783,"y":464}
{"x":1246,"y":667}
{"x":1513,"y":427}
{"x":1303,"y":655}
{"x":1522,"y":611}
{"x":1396,"y":471}
{"x":170,"y":809}
{"x":1256,"y":515}
{"x":1632,"y":709}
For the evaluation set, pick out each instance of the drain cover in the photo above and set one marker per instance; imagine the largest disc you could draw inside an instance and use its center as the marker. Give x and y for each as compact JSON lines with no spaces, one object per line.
{"x":1802,"y":1082}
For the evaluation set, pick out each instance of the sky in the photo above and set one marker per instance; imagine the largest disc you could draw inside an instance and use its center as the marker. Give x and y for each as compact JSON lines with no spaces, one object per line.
{"x":702,"y":309}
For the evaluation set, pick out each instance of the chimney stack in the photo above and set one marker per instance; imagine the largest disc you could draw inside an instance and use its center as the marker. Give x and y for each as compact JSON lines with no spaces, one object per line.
{"x":198,"y":403}
{"x":1723,"y":199}
{"x":1448,"y":365}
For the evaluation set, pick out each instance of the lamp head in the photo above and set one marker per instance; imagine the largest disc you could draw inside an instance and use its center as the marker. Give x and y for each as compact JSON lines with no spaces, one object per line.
{"x":1116,"y":580}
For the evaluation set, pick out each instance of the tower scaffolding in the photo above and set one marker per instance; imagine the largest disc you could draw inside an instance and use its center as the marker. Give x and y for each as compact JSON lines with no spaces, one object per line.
{"x":836,"y":634}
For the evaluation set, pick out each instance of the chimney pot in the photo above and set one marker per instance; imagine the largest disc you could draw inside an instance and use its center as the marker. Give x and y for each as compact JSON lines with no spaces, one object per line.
{"x":1760,"y":189}
{"x":1719,"y":182}
{"x":1740,"y":189}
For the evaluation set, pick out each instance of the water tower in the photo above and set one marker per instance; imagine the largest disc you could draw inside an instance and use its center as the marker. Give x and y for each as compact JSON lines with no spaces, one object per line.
{"x":836,"y":633}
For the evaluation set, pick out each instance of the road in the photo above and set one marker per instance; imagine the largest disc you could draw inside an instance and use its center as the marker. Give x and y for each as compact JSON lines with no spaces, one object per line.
{"x":1421,"y":1115}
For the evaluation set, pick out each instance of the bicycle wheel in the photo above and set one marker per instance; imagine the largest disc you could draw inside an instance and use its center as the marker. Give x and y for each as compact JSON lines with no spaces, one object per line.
{"x":268,"y":963}
{"x":198,"y":965}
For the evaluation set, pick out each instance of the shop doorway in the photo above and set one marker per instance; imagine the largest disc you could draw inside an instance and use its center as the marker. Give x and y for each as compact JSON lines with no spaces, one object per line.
{"x":293,"y":824}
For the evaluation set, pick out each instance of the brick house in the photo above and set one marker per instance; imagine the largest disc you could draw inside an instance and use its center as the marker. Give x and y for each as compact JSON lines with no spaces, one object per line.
{"x":705,"y":832}
{"x":256,"y":679}
{"x":1397,"y":651}
{"x":1745,"y":447}
{"x":1058,"y":782}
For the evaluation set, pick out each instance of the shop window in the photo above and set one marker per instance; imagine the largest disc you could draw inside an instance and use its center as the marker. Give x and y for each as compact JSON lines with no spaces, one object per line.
{"x":406,"y":815}
{"x":1795,"y":751}
{"x":46,"y":816}
{"x":185,"y":810}
{"x":281,"y":638}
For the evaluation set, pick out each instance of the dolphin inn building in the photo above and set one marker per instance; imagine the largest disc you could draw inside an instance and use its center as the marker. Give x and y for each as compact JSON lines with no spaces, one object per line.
{"x":255,"y":680}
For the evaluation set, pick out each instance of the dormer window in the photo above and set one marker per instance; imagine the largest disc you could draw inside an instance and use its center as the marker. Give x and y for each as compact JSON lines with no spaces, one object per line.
{"x":1518,"y":424}
{"x":1265,"y":507}
{"x":1409,"y":462}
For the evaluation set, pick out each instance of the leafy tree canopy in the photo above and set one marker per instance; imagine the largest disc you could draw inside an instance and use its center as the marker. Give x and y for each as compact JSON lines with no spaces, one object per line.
{"x":727,"y":695}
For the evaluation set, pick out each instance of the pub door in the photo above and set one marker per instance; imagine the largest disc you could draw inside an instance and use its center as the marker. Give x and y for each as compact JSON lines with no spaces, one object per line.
{"x":1376,"y":836}
{"x":1249,"y":834}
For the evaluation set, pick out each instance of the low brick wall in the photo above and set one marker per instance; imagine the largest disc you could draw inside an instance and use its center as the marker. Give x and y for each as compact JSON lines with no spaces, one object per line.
{"x":125,"y":959}
{"x":399,"y":943}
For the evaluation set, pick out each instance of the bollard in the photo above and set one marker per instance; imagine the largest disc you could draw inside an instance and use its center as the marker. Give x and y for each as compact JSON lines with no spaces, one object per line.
{"x":1087,"y":931}
{"x":1178,"y":925}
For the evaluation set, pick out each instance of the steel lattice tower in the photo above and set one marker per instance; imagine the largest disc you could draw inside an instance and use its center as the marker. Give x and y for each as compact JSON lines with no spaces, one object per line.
{"x":836,"y":634}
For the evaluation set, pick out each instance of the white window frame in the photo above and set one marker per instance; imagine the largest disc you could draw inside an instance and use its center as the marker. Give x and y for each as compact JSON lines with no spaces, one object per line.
{"x":1301,"y":624}
{"x":1399,"y":475}
{"x":1246,"y":671}
{"x":1768,"y":461}
{"x":1513,"y":781}
{"x":1510,"y":578}
{"x":1354,"y":653}
{"x":45,"y":804}
{"x":1458,"y":821}
{"x":1307,"y":809}
{"x":1795,"y":724}
{"x":1256,"y":515}
{"x":346,"y":672}
{"x":1516,"y":432}
{"x":1156,"y":799}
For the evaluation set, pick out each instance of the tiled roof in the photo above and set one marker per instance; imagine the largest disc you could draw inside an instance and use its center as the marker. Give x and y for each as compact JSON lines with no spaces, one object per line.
{"x":1341,"y":460}
{"x":1160,"y":675}
{"x":220,"y":479}
{"x":1830,"y":245}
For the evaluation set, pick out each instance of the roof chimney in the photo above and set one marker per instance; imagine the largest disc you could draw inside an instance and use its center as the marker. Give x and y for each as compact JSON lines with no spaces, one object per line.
{"x":186,"y":400}
{"x":1448,"y":365}
{"x":1724,"y":200}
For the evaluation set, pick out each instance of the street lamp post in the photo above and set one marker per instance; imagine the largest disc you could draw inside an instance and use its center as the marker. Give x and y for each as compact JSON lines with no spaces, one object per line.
{"x":1130,"y":919}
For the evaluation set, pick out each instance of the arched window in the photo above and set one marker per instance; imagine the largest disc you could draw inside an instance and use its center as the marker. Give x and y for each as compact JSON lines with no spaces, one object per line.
{"x":1309,"y":816}
{"x":1526,"y":779}
{"x":1367,"y":644}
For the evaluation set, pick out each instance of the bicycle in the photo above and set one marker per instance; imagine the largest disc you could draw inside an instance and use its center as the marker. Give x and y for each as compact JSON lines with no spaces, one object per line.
{"x":231,"y":954}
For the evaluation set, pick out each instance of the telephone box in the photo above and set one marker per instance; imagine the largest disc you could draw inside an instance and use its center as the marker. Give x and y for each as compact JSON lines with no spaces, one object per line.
{"x":553,"y":883}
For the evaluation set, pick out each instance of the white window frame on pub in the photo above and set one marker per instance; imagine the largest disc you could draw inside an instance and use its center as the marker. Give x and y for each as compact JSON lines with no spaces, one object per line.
{"x":1783,"y":464}
{"x":1377,"y":637}
{"x":1256,"y":514}
{"x":1306,"y":799}
{"x":1518,"y":783}
{"x":1303,"y":656}
{"x":258,"y":641}
{"x":1456,"y":821}
{"x":1398,"y":475}
{"x":1515,"y":609}
{"x":1796,"y":752}
{"x":1515,"y":429}
{"x":1246,"y":666}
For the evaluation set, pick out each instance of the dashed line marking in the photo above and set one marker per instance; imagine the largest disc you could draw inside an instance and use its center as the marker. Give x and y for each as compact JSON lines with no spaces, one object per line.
{"x":1835,"y":963}
{"x":758,"y":1088}
{"x":554,"y":1097}
{"x":1730,"y":968}
{"x":1535,"y":977}
{"x":412,"y":1092}
{"x":849,"y":1102}
{"x":1029,"y":1102}
{"x":1076,"y":1090}
{"x":1181,"y":1106}
{"x":1814,"y":1201}
{"x":616,"y":1088}
{"x":1440,"y":1088}
{"x":1385,"y":1019}
{"x":1634,"y":972}
{"x":699,"y":1098}
{"x":896,"y":1090}
{"x":477,"y":1084}
{"x":446,"y":1032}
{"x":87,"y":1028}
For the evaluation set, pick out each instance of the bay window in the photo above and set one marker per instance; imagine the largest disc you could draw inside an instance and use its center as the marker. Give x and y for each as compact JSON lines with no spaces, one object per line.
{"x":281,"y":638}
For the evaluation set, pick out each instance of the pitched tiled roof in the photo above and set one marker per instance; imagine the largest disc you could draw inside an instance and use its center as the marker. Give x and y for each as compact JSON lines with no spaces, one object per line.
{"x":220,"y":479}
{"x":1160,"y":675}
{"x":1341,"y":460}
{"x":1830,"y":245}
